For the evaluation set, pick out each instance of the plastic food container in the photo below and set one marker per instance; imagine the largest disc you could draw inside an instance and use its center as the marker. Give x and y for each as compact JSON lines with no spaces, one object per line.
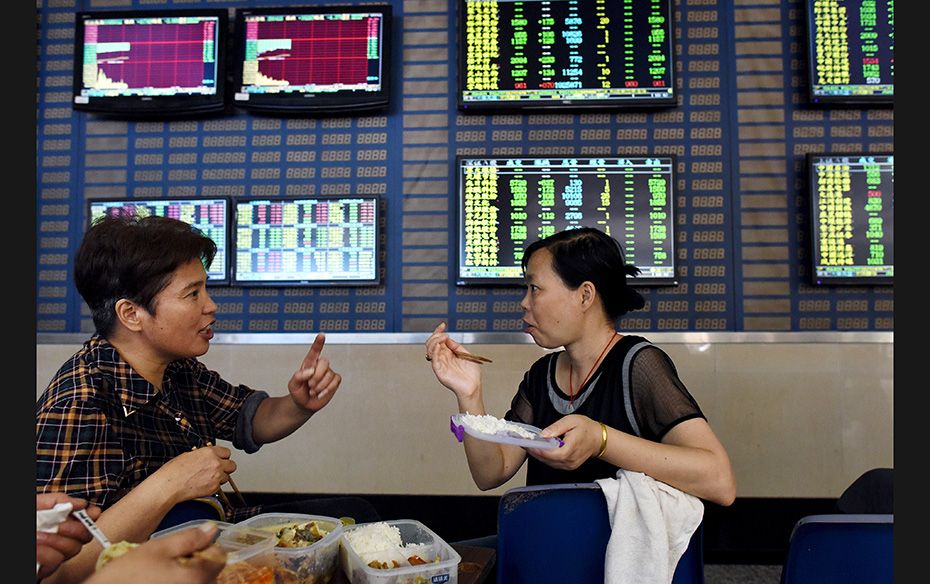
{"x":314,"y":563}
{"x":249,"y":552}
{"x":442,"y":560}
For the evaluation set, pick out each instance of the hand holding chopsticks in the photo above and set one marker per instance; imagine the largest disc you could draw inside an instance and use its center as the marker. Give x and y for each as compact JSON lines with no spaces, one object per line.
{"x":440,"y":337}
{"x":232,"y":483}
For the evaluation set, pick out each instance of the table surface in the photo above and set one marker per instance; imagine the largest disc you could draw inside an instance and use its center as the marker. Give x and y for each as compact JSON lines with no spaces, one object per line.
{"x":476,"y":565}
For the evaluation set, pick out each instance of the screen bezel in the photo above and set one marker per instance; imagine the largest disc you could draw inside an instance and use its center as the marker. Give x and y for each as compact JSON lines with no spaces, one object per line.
{"x":816,"y":98}
{"x":637,"y":281}
{"x":151,"y":105}
{"x":341,"y":102}
{"x":227,"y":267}
{"x":504,"y":106}
{"x":302,"y":282}
{"x":820,"y":281}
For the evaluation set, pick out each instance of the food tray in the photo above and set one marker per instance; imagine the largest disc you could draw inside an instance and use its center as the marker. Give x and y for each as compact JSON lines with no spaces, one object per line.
{"x":459,"y":428}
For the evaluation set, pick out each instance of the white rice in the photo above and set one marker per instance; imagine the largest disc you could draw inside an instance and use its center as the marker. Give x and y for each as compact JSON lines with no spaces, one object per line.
{"x":373,"y":538}
{"x":488,"y":424}
{"x":382,"y":542}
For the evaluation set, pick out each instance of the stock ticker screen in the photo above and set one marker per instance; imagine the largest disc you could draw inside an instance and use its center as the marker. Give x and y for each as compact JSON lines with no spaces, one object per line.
{"x":150,"y":55}
{"x":306,"y":241}
{"x":506,"y":203}
{"x":852,"y":218}
{"x":525,"y":54}
{"x":851,"y":51}
{"x":312,"y":52}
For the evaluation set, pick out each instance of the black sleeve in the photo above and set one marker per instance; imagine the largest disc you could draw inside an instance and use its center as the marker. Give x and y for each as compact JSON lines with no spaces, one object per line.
{"x":660,"y":399}
{"x":520,"y":408}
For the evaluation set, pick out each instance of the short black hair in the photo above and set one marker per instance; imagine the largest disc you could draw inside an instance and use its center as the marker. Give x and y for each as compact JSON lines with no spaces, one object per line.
{"x":587,"y":254}
{"x":133,"y":257}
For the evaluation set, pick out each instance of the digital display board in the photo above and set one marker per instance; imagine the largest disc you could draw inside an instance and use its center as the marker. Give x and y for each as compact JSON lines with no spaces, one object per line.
{"x":313,"y":60}
{"x":852,"y":218}
{"x":851,"y":51}
{"x":539,"y":54}
{"x":156,"y":62}
{"x":504,"y":204}
{"x":307,"y":241}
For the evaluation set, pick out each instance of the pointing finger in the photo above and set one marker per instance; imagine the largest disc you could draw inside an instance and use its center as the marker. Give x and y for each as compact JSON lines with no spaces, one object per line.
{"x":314,"y":353}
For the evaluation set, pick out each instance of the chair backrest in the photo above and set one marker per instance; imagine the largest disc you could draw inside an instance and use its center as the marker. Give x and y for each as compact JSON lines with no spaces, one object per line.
{"x":872,"y":492}
{"x":558,"y":534}
{"x":841,"y":548}
{"x":200,"y":508}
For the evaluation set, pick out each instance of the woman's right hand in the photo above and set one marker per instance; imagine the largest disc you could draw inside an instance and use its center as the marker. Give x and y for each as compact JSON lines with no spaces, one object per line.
{"x":461,"y":376}
{"x":198,"y":473}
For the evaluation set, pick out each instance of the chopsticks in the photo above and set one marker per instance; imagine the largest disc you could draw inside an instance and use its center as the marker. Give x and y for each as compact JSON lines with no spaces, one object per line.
{"x":467,"y":357}
{"x":472,"y":357}
{"x":232,"y":483}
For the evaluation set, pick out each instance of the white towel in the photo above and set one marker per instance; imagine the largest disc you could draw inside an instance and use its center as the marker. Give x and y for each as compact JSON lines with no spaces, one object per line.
{"x":651,"y":526}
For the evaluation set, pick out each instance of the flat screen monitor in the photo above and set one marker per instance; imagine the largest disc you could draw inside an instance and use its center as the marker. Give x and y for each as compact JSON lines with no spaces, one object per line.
{"x":851,"y":51}
{"x":209,"y":214}
{"x":150,"y":63}
{"x":541,"y":54}
{"x":852,"y":218}
{"x":306,"y":241}
{"x":313,"y":60}
{"x":504,"y":204}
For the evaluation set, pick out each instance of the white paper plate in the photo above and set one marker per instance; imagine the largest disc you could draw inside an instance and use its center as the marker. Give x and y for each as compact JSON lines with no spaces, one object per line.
{"x":459,"y":429}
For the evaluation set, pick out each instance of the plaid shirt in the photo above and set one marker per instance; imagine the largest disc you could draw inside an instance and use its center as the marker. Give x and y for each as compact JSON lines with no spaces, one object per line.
{"x":101,"y":428}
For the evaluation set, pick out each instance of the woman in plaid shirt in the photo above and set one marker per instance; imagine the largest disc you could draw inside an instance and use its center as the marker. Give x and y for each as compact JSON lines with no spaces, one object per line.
{"x":131,"y":420}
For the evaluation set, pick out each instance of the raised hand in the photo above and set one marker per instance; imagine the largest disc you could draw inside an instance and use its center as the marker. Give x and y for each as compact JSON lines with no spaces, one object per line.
{"x":461,"y":376}
{"x":313,"y":385}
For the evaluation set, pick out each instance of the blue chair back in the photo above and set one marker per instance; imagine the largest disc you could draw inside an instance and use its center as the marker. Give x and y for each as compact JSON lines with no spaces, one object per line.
{"x":201,"y":508}
{"x":841,"y":548}
{"x":558,"y":534}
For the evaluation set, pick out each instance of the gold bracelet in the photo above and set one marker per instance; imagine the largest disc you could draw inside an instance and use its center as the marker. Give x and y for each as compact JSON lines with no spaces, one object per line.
{"x":603,"y":440}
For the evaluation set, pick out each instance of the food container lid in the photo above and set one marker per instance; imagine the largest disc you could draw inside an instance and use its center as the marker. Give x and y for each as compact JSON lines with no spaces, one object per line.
{"x":239,"y":542}
{"x":271,"y":522}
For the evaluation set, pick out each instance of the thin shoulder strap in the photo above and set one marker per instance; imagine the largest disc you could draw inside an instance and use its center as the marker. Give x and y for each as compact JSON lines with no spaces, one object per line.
{"x":628,"y":382}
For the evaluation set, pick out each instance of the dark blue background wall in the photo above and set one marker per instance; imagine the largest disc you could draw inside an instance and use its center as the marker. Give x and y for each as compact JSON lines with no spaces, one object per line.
{"x":740,"y":132}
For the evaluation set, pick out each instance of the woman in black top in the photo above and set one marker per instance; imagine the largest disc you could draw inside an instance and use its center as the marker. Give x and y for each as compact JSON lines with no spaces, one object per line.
{"x":615,"y":400}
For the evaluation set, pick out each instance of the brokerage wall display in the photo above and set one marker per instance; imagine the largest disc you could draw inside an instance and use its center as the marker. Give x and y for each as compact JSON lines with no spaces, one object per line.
{"x":528,"y":54}
{"x":209,"y":215}
{"x":851,"y":51}
{"x":313,"y":59}
{"x":150,"y":62}
{"x":306,"y":241}
{"x":504,"y":204}
{"x":852,"y":218}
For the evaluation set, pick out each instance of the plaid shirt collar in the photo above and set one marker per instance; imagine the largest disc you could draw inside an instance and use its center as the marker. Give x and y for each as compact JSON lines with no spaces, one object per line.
{"x":132,"y":390}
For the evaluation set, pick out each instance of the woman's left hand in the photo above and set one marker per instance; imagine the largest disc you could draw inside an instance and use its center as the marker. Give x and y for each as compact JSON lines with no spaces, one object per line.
{"x":582,"y":440}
